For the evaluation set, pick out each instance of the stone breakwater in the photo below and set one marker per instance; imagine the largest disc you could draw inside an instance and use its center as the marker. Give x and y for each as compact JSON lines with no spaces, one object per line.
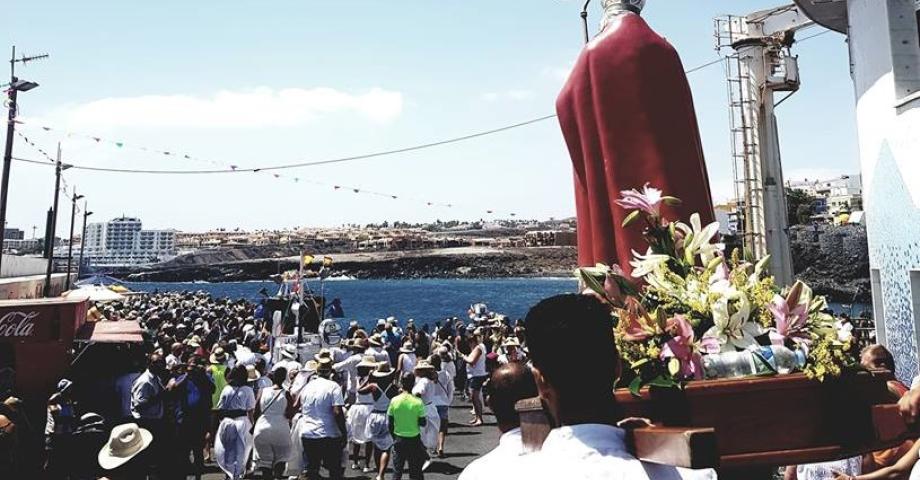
{"x":442,"y":263}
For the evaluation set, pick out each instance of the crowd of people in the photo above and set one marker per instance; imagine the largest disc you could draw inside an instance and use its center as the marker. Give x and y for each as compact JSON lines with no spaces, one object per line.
{"x":214,"y":387}
{"x":213,"y":384}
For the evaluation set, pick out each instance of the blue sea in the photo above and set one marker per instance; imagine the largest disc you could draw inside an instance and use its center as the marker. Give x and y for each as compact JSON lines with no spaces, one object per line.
{"x":426,"y":301}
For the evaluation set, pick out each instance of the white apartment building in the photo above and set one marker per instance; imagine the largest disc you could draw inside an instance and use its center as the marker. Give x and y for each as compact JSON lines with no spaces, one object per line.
{"x":841,"y":194}
{"x":122,"y":241}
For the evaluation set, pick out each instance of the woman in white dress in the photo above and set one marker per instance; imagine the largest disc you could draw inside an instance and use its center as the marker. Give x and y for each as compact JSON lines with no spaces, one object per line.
{"x":426,"y":387}
{"x":405,"y":364}
{"x":444,"y":394}
{"x":272,"y":436}
{"x":356,"y":418}
{"x":380,"y":386}
{"x":233,"y":442}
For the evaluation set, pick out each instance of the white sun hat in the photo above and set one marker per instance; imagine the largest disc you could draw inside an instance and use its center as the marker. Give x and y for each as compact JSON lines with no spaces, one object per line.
{"x":125,"y":442}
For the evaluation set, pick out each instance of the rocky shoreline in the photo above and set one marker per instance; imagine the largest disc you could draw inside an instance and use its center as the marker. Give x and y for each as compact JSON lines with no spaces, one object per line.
{"x":442,"y":263}
{"x":834,"y":261}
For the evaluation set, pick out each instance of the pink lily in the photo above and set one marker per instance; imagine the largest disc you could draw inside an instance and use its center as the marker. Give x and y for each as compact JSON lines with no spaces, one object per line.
{"x":790,"y":315}
{"x":636,"y":324}
{"x":648,"y":200}
{"x":682,"y":348}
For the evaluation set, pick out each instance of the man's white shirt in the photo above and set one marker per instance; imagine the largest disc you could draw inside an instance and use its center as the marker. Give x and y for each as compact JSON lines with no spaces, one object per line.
{"x":596,"y":451}
{"x":587,"y":451}
{"x":504,"y":458}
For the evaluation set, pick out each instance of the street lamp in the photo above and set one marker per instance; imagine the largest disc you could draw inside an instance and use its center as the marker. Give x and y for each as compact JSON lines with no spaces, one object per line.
{"x":16,"y":86}
{"x":86,"y":214}
{"x":59,"y":167}
{"x":73,"y":218}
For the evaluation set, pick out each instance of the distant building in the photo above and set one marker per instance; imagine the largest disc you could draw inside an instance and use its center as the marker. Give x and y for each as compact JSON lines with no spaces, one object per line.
{"x":13,"y":234}
{"x":832,"y":197}
{"x":122,"y":241}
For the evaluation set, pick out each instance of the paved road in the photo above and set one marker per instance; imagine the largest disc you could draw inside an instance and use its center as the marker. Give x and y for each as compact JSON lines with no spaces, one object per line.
{"x":464,"y":444}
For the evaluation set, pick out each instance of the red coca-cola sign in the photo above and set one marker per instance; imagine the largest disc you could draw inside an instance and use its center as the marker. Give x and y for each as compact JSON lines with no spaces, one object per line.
{"x":18,"y":324}
{"x":41,"y":320}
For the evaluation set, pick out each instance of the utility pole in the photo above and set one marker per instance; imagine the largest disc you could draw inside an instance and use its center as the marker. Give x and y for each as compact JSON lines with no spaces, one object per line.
{"x":16,"y":85}
{"x":73,"y":218}
{"x":760,"y":64}
{"x":86,"y":214}
{"x":58,"y":168}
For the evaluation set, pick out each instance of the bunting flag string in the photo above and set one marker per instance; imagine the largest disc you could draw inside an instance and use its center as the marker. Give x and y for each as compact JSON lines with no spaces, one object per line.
{"x":64,"y":184}
{"x":336,"y":187}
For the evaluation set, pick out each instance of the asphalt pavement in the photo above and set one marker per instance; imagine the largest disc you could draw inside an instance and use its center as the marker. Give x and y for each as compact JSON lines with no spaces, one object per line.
{"x":464,"y":444}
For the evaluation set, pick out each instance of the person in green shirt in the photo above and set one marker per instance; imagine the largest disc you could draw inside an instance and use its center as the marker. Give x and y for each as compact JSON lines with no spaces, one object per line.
{"x":406,"y":416}
{"x":217,"y":371}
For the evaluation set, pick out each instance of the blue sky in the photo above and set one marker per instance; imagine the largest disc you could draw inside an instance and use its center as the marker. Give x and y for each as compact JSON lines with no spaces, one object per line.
{"x":260,"y":83}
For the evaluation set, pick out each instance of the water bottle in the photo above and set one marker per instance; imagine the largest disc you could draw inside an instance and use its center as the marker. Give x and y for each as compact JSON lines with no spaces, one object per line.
{"x":754,"y":361}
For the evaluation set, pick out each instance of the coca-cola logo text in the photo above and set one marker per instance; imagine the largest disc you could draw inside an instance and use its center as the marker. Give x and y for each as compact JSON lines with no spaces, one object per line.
{"x":17,"y":324}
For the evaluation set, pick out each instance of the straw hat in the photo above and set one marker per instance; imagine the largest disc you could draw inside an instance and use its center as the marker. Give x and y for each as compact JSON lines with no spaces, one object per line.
{"x":407,"y":348}
{"x":375,"y":340}
{"x":251,"y":373}
{"x":423,"y":365}
{"x":324,"y":364}
{"x":289,"y":351}
{"x":511,"y":342}
{"x":311,"y":366}
{"x":125,"y":442}
{"x":324,"y":353}
{"x":368,"y":361}
{"x":194,"y":342}
{"x":383,"y":370}
{"x":219,"y":356}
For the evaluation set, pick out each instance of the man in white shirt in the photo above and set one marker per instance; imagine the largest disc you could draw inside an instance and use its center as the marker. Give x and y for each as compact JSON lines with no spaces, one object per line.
{"x":507,"y":385}
{"x":323,"y":422}
{"x":586,"y":444}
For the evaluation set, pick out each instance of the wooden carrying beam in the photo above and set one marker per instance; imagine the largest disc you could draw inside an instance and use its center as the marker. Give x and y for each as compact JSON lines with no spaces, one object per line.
{"x":676,"y":446}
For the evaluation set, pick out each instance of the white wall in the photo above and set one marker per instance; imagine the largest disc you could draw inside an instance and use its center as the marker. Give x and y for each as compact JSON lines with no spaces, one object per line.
{"x":885,"y":54}
{"x":14,"y":266}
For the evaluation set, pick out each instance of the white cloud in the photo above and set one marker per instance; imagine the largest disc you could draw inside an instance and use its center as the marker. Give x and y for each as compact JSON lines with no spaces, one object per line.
{"x":514,"y":95}
{"x":559,"y":73}
{"x":259,"y":107}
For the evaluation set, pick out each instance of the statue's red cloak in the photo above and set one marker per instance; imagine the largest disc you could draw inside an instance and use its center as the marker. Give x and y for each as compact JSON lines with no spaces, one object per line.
{"x":627,"y":116}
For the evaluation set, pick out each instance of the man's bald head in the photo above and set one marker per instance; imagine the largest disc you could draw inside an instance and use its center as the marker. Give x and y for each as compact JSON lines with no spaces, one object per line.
{"x":509,"y":384}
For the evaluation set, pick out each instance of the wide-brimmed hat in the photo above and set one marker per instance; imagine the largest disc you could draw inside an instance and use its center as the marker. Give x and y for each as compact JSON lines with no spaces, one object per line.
{"x":194,"y":342}
{"x":381,"y":323}
{"x":251,"y":373}
{"x":368,"y":361}
{"x":324,"y":364}
{"x":407,"y":348}
{"x":375,"y":340}
{"x":423,"y":365}
{"x":511,"y":342}
{"x":323,"y":353}
{"x":383,"y":370}
{"x":353,"y":323}
{"x":289,"y":351}
{"x":125,"y":442}
{"x":218,"y":356}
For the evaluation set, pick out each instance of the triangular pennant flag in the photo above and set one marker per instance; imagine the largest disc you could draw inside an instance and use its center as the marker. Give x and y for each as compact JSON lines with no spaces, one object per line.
{"x":47,"y":129}
{"x":97,"y":139}
{"x":357,"y":191}
{"x":119,"y":144}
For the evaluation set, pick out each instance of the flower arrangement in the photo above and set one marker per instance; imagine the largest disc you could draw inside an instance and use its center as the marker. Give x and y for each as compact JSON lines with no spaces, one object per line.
{"x":685,"y":299}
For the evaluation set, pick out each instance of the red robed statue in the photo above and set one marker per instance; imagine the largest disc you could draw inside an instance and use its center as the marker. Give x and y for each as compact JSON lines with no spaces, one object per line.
{"x":627,"y":116}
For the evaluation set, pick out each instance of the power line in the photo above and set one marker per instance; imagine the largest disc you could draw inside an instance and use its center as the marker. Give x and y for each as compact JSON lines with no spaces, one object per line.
{"x":351,"y":158}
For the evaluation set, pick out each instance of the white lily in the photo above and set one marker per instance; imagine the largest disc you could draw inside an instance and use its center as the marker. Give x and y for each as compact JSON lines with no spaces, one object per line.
{"x":733,"y":329}
{"x":698,"y":240}
{"x":648,"y":263}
